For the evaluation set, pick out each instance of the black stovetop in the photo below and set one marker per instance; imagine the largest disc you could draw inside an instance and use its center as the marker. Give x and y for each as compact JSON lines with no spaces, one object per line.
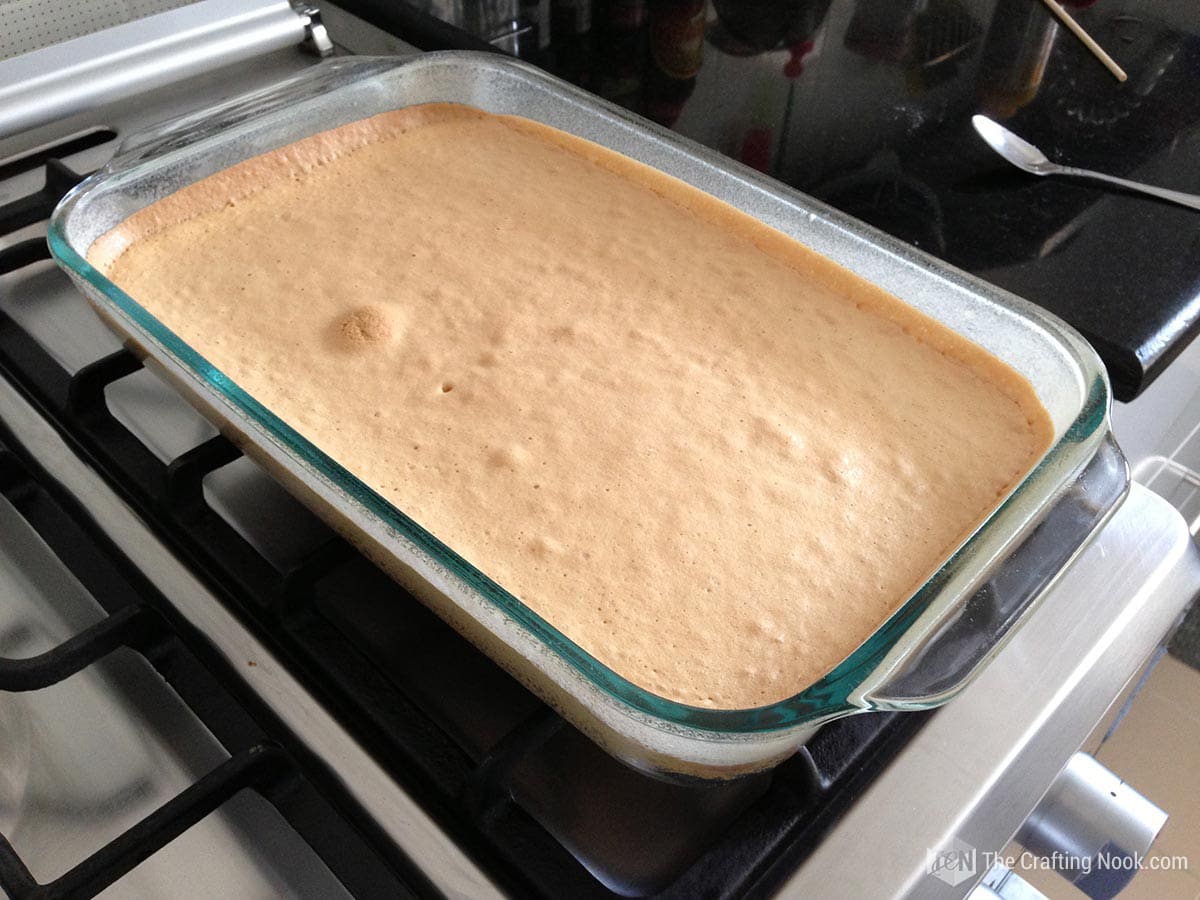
{"x":867,"y":106}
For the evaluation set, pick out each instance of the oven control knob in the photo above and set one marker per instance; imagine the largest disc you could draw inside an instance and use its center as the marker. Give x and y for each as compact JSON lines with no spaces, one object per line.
{"x":1093,"y":828}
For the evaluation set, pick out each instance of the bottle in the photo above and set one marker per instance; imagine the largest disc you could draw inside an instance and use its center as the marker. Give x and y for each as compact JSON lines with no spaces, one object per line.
{"x":1018,"y":45}
{"x":571,"y":39}
{"x":676,"y":52}
{"x":620,"y":27}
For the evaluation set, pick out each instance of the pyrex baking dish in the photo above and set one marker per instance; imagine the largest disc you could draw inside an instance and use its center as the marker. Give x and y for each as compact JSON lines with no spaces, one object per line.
{"x":920,"y":657}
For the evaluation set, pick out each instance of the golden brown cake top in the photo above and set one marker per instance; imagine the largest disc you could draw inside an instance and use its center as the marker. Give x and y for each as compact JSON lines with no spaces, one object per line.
{"x":712,"y":458}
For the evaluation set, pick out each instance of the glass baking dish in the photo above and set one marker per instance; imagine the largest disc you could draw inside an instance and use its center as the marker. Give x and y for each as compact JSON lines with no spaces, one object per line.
{"x":920,"y":657}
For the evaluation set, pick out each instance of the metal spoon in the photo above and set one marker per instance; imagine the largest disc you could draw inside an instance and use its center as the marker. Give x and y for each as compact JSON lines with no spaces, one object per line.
{"x":1024,"y":155}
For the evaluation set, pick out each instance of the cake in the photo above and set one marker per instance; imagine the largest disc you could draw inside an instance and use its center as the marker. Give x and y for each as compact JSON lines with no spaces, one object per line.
{"x":712,"y":458}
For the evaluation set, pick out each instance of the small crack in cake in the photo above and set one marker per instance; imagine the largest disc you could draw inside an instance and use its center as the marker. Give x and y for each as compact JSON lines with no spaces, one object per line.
{"x":712,"y":458}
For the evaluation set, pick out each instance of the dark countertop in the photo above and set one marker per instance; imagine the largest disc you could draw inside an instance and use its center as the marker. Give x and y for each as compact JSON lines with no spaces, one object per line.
{"x":867,"y":106}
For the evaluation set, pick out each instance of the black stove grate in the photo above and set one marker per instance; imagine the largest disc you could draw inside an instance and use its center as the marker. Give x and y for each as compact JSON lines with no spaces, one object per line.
{"x":541,"y":809}
{"x":263,"y":758}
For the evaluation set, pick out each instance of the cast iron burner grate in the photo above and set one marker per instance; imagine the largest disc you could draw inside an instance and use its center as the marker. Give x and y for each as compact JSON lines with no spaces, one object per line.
{"x":541,"y":809}
{"x":263,"y":757}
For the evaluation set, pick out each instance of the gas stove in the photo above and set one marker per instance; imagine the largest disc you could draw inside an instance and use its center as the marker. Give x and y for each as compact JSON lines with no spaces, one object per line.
{"x":202,"y":689}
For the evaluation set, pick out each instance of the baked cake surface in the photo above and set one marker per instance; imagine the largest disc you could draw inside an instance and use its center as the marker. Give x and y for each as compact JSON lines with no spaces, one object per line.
{"x":712,"y":458}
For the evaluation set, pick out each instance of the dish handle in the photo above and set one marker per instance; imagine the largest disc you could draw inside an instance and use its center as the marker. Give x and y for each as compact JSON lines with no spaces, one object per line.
{"x":966,"y":635}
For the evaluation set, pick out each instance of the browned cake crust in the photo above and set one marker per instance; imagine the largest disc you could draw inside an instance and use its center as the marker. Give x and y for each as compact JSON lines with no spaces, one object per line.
{"x":714,"y":459}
